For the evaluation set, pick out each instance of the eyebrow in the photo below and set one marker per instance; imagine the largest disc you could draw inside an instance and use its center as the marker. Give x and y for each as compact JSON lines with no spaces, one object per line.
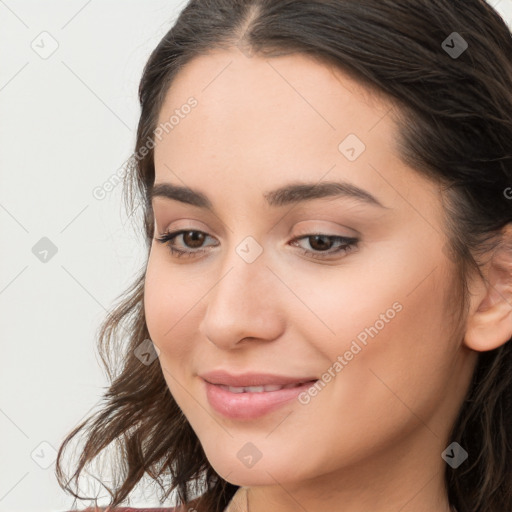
{"x":289,"y":194}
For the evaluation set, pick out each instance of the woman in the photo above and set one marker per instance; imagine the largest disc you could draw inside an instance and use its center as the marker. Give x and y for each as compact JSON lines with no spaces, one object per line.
{"x":327,"y":187}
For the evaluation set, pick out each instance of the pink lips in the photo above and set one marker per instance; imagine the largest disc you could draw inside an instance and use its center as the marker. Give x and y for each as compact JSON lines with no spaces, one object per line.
{"x":249,"y":405}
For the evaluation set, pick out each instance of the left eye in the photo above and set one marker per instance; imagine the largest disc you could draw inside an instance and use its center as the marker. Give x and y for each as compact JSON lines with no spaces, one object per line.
{"x":194,"y":239}
{"x":319,"y":240}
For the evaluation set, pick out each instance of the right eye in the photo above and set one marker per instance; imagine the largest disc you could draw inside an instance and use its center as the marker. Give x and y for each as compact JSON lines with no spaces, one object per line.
{"x":190,"y":236}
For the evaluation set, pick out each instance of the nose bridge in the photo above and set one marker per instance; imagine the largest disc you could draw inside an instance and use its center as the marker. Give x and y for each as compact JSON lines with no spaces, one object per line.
{"x":242,"y":302}
{"x":244,"y":269}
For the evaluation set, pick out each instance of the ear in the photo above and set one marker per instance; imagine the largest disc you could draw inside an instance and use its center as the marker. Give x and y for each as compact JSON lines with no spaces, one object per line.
{"x":489,"y":324}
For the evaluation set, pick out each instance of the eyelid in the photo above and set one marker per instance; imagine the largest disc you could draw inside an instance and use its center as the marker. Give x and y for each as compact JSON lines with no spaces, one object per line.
{"x":182,"y":224}
{"x":173,"y":216}
{"x":305,"y":228}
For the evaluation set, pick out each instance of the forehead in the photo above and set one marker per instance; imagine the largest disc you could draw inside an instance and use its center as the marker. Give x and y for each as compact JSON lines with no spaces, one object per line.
{"x":266,"y":120}
{"x":231,"y":87}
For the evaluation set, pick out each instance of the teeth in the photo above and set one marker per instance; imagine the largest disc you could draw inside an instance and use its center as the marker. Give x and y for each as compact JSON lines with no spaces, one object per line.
{"x":293,"y":385}
{"x":258,"y":389}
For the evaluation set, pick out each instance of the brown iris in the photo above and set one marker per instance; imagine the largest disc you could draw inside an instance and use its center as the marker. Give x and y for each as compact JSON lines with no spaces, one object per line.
{"x":196,"y":237}
{"x":322,"y":245}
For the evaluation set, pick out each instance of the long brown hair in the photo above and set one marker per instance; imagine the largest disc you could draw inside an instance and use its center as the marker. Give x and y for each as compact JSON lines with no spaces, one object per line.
{"x":456,"y":128}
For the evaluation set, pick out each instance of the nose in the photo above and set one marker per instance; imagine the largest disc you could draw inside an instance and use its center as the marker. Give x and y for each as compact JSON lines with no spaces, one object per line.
{"x":243,"y":303}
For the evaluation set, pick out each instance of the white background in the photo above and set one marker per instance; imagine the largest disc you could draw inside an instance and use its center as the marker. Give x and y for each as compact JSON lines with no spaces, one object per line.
{"x":67,"y":124}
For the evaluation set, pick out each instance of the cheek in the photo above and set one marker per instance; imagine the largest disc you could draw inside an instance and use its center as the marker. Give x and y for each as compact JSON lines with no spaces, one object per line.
{"x":169,"y":311}
{"x":394,"y":306}
{"x":397,"y":362}
{"x":168,"y":306}
{"x":398,"y":374}
{"x":385,"y":334}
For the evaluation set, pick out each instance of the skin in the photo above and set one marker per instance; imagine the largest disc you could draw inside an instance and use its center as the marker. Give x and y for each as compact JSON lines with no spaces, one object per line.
{"x":372,"y":438}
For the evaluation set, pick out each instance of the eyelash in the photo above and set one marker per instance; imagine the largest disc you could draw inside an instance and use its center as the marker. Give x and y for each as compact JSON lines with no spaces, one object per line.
{"x":349,"y":243}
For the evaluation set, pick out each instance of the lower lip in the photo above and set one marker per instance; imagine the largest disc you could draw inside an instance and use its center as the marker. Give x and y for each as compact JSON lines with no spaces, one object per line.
{"x":251,"y":405}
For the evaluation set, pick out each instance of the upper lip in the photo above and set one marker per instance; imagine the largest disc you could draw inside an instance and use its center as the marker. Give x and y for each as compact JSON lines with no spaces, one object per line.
{"x":251,"y":379}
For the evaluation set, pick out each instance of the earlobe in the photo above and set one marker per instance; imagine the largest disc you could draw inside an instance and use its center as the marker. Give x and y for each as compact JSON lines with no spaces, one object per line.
{"x":489,"y":329}
{"x":489,"y":325}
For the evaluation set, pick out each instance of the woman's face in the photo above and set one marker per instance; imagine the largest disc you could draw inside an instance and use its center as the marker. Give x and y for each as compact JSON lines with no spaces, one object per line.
{"x":372,"y":312}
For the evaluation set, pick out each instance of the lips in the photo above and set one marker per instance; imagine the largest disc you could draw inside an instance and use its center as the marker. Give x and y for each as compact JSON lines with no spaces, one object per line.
{"x":254,"y":380}
{"x":250,"y":405}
